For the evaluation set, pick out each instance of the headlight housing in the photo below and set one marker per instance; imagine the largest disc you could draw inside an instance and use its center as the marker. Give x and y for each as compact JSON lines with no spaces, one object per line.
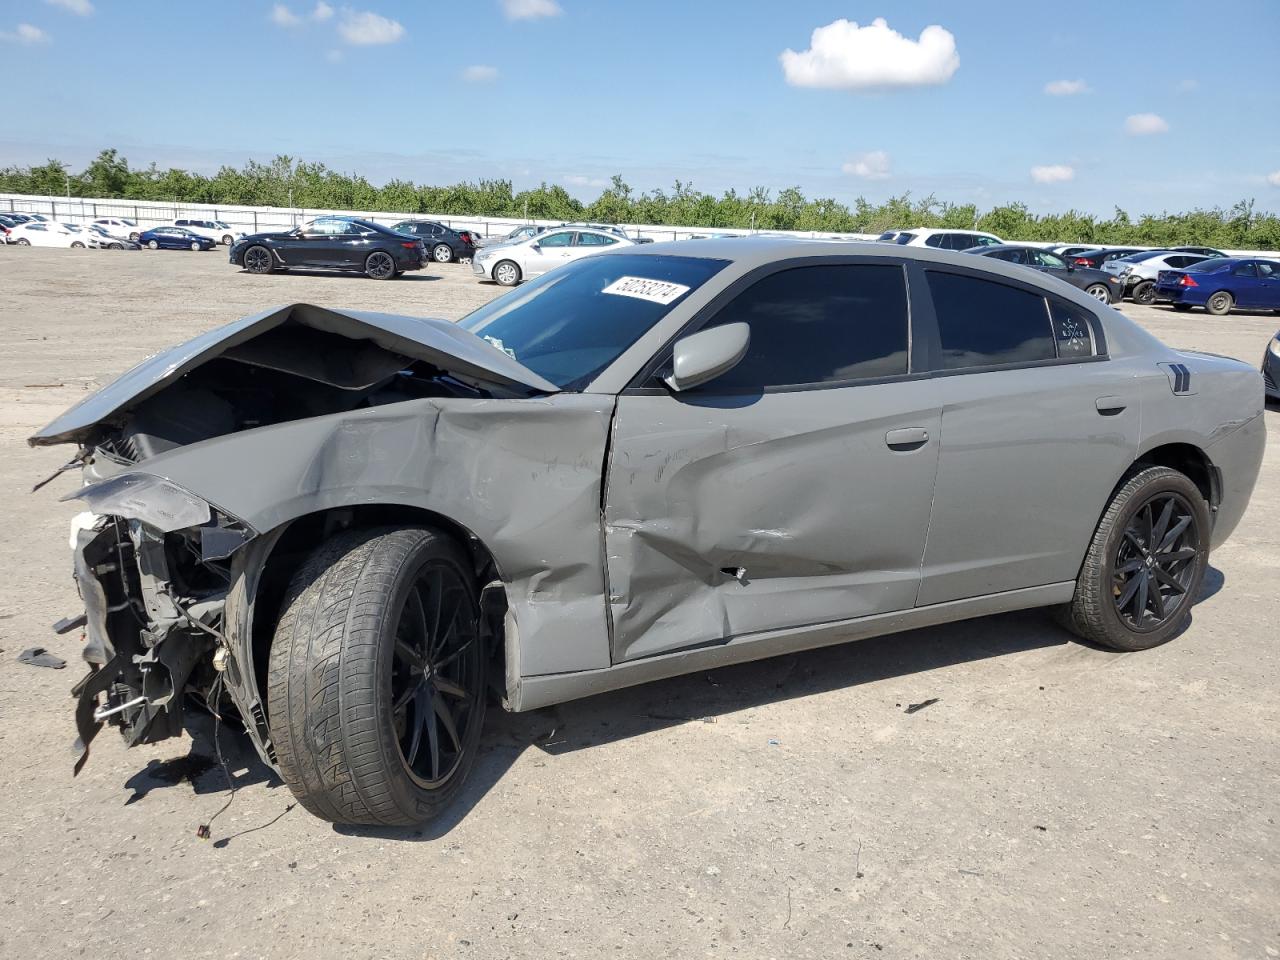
{"x":157,"y":502}
{"x":1275,"y":346}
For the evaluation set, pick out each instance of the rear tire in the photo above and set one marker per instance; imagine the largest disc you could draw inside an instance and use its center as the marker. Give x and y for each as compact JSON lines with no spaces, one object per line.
{"x":1120,"y":600}
{"x":1220,"y":303}
{"x":357,"y":705}
{"x":77,"y":245}
{"x":22,"y":242}
{"x":379,"y":265}
{"x":1144,"y":293}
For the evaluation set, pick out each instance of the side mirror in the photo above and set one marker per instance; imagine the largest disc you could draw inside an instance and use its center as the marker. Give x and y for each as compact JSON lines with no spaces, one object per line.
{"x":535,"y":246}
{"x":703,"y":356}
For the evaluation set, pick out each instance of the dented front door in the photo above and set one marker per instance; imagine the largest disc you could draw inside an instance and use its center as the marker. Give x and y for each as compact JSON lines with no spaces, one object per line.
{"x":726,"y":516}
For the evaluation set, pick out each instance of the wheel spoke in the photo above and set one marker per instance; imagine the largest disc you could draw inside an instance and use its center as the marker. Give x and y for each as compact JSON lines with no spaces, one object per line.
{"x":1143,"y":582}
{"x":446,"y":686}
{"x":446,"y":622}
{"x":410,"y":655}
{"x":1173,"y":555}
{"x":1131,"y":566}
{"x":446,"y":720}
{"x":1157,"y":602}
{"x":1130,"y":589}
{"x":419,"y":715}
{"x":455,"y":655}
{"x":433,"y":733}
{"x":405,"y":697}
{"x":1133,"y":539}
{"x":1158,"y":532}
{"x":1169,"y":580}
{"x":1174,"y":532}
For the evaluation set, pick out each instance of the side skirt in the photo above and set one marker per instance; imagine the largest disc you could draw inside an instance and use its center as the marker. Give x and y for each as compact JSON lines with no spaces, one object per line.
{"x":540,"y":691}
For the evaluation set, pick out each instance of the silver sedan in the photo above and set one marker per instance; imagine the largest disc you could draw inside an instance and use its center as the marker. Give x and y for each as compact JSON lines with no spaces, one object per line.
{"x":519,"y":260}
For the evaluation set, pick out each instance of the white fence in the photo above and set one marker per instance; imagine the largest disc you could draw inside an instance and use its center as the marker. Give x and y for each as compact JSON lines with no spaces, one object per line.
{"x":149,"y":213}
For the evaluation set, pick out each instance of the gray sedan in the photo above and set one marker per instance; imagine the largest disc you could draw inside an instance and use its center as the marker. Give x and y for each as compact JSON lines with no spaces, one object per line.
{"x":1098,"y":284}
{"x":353,"y":529}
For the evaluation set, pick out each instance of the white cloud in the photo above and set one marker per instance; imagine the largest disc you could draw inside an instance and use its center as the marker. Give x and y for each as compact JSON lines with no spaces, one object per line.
{"x":870,"y":166}
{"x":81,"y":8}
{"x":530,"y":9}
{"x":25,"y":34}
{"x":322,"y":11}
{"x":1142,"y":124}
{"x":480,"y":73}
{"x":1053,"y":173}
{"x":577,"y":180}
{"x":845,"y":56}
{"x":365,"y":29}
{"x":282,"y":16}
{"x":1065,"y":88}
{"x":1274,"y":178}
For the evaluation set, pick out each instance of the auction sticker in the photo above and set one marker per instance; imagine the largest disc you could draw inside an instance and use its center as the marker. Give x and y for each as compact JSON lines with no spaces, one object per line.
{"x":657,"y":291}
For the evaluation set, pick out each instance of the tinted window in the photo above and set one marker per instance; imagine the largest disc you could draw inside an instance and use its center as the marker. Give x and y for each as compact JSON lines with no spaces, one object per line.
{"x":1044,"y":258}
{"x":556,"y":240}
{"x":980,"y":242}
{"x":1009,"y":256}
{"x":1072,"y":330}
{"x":936,"y":240}
{"x":1268,"y":270}
{"x":905,"y":238}
{"x":595,"y":240}
{"x":564,"y":325}
{"x":982,"y":322}
{"x":819,"y":325}
{"x":1244,"y":270}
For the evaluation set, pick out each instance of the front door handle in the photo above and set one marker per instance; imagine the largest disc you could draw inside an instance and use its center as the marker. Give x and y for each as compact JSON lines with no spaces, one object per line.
{"x":907,"y":438}
{"x":1110,"y":406}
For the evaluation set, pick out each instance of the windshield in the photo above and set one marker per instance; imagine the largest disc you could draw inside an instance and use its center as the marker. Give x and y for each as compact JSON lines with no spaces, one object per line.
{"x":1144,"y":255}
{"x":571,"y":323}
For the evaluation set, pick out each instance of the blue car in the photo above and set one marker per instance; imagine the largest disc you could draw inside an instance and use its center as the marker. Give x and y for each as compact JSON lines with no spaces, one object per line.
{"x":174,"y":238}
{"x":1221,"y":284}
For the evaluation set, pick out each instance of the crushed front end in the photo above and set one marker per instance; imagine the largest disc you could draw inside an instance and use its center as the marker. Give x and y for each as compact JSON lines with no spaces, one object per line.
{"x":152,"y":564}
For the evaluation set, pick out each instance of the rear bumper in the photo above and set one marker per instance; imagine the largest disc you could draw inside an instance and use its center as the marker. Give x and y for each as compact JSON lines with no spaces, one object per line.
{"x":1238,"y":459}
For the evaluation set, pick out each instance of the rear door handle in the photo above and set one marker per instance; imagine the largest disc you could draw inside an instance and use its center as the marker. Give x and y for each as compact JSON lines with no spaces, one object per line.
{"x":907,"y":438}
{"x":1109,"y":406}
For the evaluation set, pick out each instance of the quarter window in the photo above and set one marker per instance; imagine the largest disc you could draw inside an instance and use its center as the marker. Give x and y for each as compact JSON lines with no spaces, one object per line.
{"x":983,"y":323}
{"x":1072,"y":330}
{"x":1245,"y":270}
{"x":814,"y":325}
{"x":595,"y":240}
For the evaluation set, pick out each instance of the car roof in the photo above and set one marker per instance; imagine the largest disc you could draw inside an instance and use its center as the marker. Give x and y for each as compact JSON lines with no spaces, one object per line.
{"x":1008,"y":246}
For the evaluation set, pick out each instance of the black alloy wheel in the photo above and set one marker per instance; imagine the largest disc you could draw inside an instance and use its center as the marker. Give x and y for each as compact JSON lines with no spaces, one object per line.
{"x":380,"y":266}
{"x":257,"y":260}
{"x":1154,"y":566}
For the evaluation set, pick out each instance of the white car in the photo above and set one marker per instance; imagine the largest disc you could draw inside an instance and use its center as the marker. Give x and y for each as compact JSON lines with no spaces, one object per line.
{"x":100,"y":239}
{"x":119,"y":227}
{"x":38,"y":233}
{"x":219,"y":231}
{"x":511,"y":262}
{"x":941,"y":239}
{"x":1139,"y":271}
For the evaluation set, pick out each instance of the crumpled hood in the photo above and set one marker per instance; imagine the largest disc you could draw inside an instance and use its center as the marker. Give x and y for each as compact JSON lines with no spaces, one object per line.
{"x":439,"y":342}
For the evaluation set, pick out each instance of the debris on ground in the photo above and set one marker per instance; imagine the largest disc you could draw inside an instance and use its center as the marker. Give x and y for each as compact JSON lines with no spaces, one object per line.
{"x":917,"y":707}
{"x":40,"y":657}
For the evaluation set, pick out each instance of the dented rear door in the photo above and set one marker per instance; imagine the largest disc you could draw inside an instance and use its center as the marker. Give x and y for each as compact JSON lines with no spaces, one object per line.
{"x":750,"y":505}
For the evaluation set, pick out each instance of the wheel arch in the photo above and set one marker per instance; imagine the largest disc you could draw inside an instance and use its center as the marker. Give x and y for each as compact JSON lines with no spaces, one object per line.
{"x":1188,"y":459}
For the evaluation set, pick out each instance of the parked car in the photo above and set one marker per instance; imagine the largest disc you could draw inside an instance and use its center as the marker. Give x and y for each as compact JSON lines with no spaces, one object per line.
{"x":443,"y":243}
{"x":100,"y":239}
{"x":1097,"y":284}
{"x":174,"y":238}
{"x":942,"y":239}
{"x":1070,"y":250}
{"x":519,"y":233}
{"x":1203,"y":251}
{"x":1100,"y":255}
{"x":17,"y":218}
{"x":120,"y":227}
{"x":332,"y":243}
{"x":662,"y":459}
{"x":1221,"y":284}
{"x":1138,"y":271}
{"x":41,"y":233}
{"x":219,"y":231}
{"x":1271,"y":368}
{"x":518,"y":260}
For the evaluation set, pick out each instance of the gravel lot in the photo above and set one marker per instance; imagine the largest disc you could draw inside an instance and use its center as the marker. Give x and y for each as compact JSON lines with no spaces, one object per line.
{"x":1056,"y":800}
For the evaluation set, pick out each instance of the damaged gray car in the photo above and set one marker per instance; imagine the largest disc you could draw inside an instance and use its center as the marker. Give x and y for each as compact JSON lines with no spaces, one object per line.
{"x":353,"y":531}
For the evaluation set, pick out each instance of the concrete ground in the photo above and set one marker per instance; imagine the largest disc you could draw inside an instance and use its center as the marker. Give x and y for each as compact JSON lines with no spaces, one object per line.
{"x":1055,"y":800}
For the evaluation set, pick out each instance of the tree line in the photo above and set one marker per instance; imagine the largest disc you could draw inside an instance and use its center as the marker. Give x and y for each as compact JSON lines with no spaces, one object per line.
{"x":286,"y":182}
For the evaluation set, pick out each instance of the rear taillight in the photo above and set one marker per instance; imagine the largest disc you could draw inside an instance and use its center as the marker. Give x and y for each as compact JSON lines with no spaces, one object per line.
{"x":1083,"y":262}
{"x":1187,"y":281}
{"x":410,"y":244}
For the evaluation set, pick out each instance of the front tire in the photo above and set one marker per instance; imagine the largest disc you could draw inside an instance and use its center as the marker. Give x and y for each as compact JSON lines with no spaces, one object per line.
{"x":23,"y":242}
{"x":1145,"y":292}
{"x":195,"y":246}
{"x":506,"y":273}
{"x":1220,"y":303}
{"x":228,"y":239}
{"x":1145,"y":563}
{"x":442,"y":253}
{"x":376,"y":682}
{"x":379,"y":265}
{"x":153,"y":244}
{"x":257,"y":259}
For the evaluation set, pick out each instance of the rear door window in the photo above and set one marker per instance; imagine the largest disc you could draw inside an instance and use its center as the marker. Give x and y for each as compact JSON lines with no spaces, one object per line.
{"x":984,"y":323}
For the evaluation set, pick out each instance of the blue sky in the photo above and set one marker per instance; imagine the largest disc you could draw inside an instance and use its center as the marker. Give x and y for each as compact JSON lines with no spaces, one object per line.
{"x":1158,"y":107}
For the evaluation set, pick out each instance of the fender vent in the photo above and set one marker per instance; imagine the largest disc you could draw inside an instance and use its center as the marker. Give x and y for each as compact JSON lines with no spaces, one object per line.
{"x":1179,"y":378}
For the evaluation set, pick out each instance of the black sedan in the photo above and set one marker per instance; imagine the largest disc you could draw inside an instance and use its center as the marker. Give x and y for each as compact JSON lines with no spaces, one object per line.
{"x":1100,"y":255}
{"x":444,"y":243}
{"x":1096,"y":283}
{"x":332,"y":243}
